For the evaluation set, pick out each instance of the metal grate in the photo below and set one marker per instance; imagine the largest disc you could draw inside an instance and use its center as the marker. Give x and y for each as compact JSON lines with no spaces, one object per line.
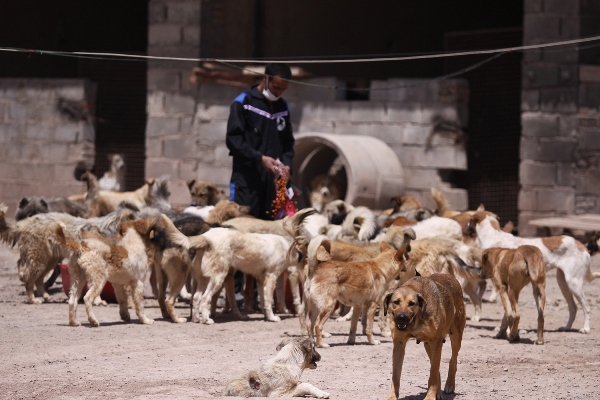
{"x":120,"y":115}
{"x":494,"y":129}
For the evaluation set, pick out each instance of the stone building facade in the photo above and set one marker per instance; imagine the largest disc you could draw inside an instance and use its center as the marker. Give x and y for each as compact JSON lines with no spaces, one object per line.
{"x":46,"y":127}
{"x":560,"y":137}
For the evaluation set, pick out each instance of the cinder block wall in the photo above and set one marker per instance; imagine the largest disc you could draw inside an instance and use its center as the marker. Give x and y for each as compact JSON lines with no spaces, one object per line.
{"x":40,"y":144}
{"x":173,"y":31}
{"x":560,"y":143}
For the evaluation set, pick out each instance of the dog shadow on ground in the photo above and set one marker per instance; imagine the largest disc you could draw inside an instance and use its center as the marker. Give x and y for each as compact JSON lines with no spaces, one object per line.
{"x":422,"y":395}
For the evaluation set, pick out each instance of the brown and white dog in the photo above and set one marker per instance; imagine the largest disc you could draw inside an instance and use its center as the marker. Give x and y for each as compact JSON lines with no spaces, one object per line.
{"x":356,"y":284}
{"x":569,"y":256}
{"x":324,"y":188}
{"x":122,"y":260}
{"x":280,"y":375}
{"x":510,"y":271}
{"x":427,"y":309}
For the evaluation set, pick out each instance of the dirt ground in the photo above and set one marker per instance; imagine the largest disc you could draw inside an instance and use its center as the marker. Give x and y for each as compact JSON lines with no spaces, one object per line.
{"x":44,"y":358}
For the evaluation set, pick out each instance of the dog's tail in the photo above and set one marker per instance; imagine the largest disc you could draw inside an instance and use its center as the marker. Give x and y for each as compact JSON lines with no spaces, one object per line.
{"x":93,"y":187}
{"x":69,"y":244}
{"x":589,"y":275}
{"x":360,"y":223}
{"x":167,"y":235}
{"x":293,"y":226}
{"x":440,"y":201}
{"x":8,"y":234}
{"x":534,"y":261}
{"x":198,"y":246}
{"x":319,"y":250}
{"x":465,"y":269}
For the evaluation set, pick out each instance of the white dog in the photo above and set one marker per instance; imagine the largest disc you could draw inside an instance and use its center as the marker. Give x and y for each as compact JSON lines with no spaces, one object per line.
{"x":563,"y":252}
{"x":280,"y":375}
{"x":264,"y":256}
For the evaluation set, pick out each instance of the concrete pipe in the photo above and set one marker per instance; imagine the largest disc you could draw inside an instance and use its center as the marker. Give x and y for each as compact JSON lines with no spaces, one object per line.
{"x":368,"y":168}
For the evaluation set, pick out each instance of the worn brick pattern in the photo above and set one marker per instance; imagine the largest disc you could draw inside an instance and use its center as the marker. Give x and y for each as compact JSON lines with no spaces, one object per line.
{"x":560,"y":154}
{"x":40,"y":144}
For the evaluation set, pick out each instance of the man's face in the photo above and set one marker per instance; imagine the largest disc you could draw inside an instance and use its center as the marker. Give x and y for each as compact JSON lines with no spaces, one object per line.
{"x":277,"y":85}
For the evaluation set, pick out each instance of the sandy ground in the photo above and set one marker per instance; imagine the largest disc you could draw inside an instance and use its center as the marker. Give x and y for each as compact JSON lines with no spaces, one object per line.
{"x":44,"y":358}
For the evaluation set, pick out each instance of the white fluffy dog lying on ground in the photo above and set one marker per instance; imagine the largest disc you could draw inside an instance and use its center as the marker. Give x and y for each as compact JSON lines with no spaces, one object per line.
{"x":280,"y":375}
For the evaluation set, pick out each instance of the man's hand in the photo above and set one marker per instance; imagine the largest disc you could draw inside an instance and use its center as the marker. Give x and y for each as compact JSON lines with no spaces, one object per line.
{"x":273,"y":166}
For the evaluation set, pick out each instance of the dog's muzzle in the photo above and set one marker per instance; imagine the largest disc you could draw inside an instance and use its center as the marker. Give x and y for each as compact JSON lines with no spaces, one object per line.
{"x":401,"y":321}
{"x":313,"y":361}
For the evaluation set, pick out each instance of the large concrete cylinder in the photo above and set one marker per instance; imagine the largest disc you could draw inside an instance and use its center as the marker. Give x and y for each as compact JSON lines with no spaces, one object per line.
{"x":371,"y":173}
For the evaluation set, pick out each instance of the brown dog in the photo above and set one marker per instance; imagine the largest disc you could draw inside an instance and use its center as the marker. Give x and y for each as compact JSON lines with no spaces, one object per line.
{"x":427,"y":309}
{"x":357,"y":284}
{"x":204,"y":193}
{"x":510,"y":271}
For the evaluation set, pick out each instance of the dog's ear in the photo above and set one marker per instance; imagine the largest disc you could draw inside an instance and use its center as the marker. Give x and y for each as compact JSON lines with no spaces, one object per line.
{"x":481,"y":207}
{"x":323,"y":253}
{"x":254,"y":382}
{"x":283,"y":343}
{"x":386,"y":303}
{"x":508,"y":228}
{"x":470,"y":228}
{"x":401,"y":254}
{"x":421,"y":301}
{"x":190,"y":183}
{"x":150,"y":181}
{"x":24,"y":201}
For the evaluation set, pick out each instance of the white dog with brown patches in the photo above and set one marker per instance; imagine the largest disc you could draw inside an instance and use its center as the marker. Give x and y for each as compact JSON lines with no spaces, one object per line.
{"x":568,"y":255}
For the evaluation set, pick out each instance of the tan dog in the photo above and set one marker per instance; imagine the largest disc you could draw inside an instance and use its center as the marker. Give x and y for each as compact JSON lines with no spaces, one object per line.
{"x":442,"y":205}
{"x":101,"y":202}
{"x":204,"y":193}
{"x":220,"y":250}
{"x":280,"y":375}
{"x":510,"y":271}
{"x":405,"y":203}
{"x":122,"y":260}
{"x":39,"y":248}
{"x":427,"y":309}
{"x":356,"y":284}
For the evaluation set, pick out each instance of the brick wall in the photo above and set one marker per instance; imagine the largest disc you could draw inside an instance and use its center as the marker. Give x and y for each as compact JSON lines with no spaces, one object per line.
{"x":560,"y":154}
{"x":40,"y":144}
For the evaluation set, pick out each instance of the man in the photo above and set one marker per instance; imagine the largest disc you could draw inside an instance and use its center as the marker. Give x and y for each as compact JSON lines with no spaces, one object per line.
{"x":260,"y":139}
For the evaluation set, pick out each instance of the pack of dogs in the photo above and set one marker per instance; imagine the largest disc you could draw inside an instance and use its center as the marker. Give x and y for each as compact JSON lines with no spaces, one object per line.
{"x":410,"y":266}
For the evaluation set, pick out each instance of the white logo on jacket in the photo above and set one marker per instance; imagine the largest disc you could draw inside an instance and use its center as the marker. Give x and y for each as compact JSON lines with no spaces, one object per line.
{"x":280,"y":123}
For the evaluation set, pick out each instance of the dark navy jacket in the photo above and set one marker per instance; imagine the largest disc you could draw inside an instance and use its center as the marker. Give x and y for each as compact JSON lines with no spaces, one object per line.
{"x":256,"y":128}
